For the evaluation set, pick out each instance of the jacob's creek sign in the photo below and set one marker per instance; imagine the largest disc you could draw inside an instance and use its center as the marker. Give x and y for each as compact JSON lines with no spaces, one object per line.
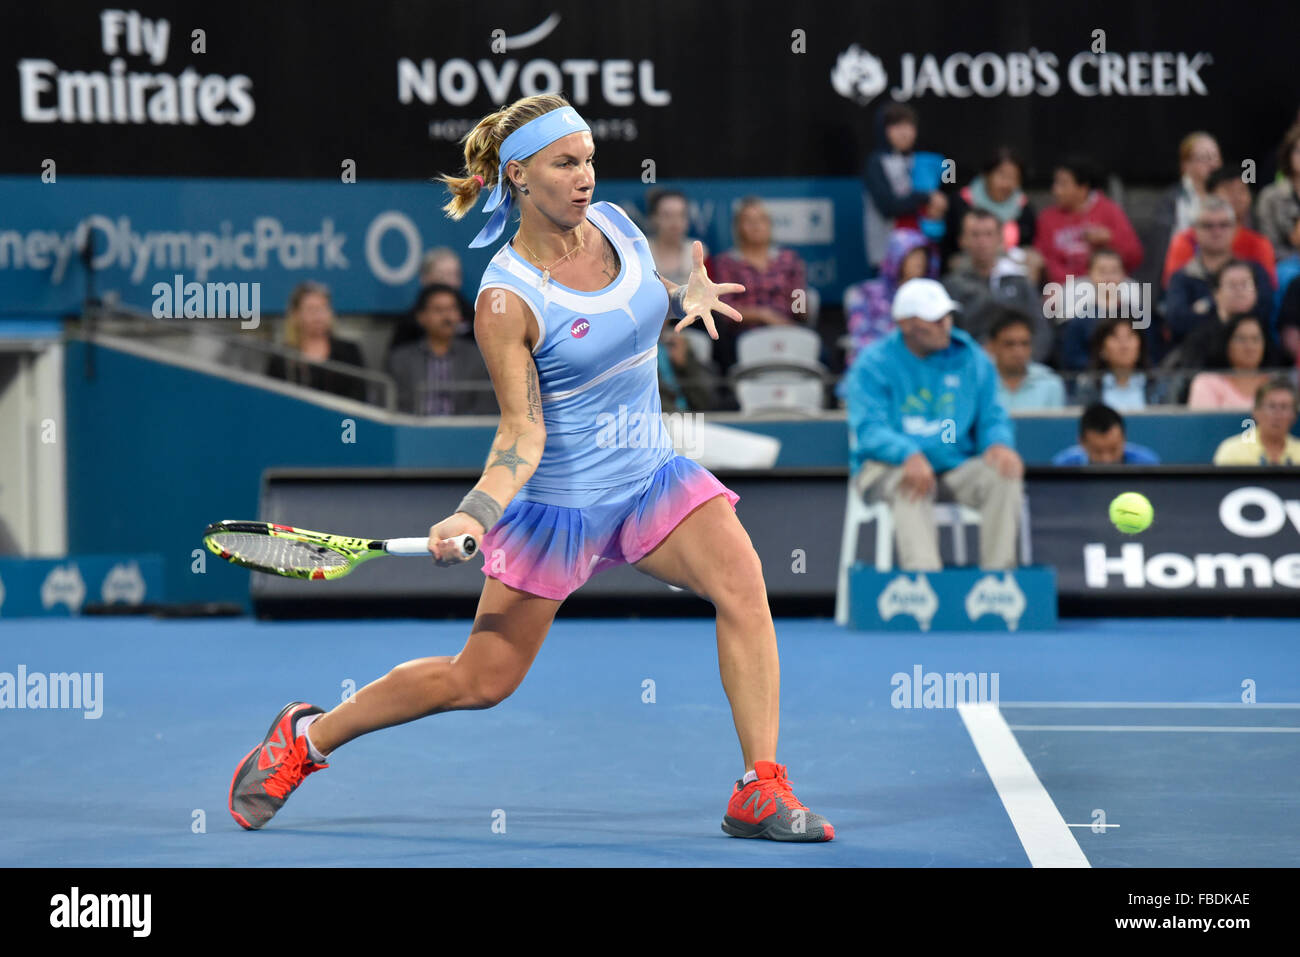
{"x":861,"y":76}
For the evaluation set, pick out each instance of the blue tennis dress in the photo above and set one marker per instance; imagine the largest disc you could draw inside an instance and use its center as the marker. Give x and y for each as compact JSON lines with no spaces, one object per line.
{"x":609,"y":486}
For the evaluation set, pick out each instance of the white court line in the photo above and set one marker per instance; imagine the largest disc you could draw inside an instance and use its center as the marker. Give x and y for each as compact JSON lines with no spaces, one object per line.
{"x":1145,"y":704}
{"x":1146,"y":727}
{"x":1039,"y":825}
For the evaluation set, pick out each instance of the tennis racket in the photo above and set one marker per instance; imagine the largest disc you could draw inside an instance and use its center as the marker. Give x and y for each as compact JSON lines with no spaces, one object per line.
{"x":298,"y":553}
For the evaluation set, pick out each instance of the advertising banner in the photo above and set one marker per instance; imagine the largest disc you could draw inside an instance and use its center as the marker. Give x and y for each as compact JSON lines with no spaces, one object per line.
{"x":955,"y":599}
{"x":39,"y":587}
{"x":1230,"y":534}
{"x":293,"y":90}
{"x":364,"y":240}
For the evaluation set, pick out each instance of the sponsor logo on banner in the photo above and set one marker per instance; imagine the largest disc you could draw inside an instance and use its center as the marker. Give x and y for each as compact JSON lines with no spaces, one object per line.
{"x":459,"y":81}
{"x":50,"y":92}
{"x":1248,"y":512}
{"x":994,"y":596}
{"x":123,"y":583}
{"x":800,"y":222}
{"x":260,"y":245}
{"x":63,"y":584}
{"x":861,"y":77}
{"x":903,"y":596}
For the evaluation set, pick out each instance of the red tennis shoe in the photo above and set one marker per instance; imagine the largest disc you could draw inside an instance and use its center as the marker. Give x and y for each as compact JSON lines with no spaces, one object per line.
{"x":272,"y":770}
{"x":768,"y":808}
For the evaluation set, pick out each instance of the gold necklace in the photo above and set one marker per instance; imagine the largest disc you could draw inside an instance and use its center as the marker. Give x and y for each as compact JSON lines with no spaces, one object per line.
{"x":546,"y":270}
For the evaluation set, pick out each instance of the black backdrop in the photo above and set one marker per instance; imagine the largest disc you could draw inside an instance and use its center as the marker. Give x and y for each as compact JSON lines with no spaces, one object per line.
{"x":727,"y":96}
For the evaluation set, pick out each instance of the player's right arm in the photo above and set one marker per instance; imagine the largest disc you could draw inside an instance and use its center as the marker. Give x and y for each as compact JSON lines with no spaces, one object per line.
{"x":506,"y":332}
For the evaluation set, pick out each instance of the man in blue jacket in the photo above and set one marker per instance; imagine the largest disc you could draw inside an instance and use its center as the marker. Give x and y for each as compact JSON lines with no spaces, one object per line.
{"x":925,"y":423}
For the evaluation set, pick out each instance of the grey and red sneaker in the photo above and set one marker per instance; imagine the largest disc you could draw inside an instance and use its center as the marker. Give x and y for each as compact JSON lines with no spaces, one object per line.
{"x":272,"y":770}
{"x":768,"y":808}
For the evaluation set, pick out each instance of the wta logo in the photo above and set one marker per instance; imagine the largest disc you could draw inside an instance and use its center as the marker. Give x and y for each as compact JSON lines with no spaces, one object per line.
{"x":579,"y":328}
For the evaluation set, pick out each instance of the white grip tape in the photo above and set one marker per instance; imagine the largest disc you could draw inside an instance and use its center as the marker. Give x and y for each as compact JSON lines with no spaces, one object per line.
{"x":420,"y":546}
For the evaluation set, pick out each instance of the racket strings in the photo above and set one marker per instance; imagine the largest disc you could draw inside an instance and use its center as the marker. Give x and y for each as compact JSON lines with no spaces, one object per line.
{"x":274,"y":552}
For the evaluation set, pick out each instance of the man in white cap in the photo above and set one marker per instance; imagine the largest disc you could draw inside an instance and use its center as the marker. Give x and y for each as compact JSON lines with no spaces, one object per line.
{"x":925,"y":423}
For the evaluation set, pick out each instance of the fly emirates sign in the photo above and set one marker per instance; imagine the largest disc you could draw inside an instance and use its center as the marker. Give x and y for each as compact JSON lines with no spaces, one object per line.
{"x":130,"y":87}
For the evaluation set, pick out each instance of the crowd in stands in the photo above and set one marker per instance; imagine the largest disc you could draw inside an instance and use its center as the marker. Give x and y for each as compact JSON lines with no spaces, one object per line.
{"x":1047,"y":298}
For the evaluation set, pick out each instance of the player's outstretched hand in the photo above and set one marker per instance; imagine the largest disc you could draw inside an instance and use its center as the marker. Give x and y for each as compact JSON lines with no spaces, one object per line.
{"x":446,"y":552}
{"x":701,"y":299}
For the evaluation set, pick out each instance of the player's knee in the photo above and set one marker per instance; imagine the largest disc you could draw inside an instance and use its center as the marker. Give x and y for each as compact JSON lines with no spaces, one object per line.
{"x":737,"y":580}
{"x":481,"y":691}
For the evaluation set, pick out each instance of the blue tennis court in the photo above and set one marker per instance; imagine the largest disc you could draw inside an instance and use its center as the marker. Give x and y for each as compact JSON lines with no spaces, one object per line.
{"x":1142,"y":720}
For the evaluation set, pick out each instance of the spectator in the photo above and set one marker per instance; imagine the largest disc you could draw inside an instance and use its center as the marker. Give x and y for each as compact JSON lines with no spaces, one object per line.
{"x":1022,"y":384}
{"x":685,"y":383}
{"x":1270,"y":441}
{"x":770,"y":274}
{"x":1119,"y":369}
{"x":1243,"y":350}
{"x":442,"y":374}
{"x":1288,"y":323}
{"x":1233,"y":292}
{"x":1102,"y":442}
{"x":868,"y":305}
{"x":1278,"y":208}
{"x":984,"y":276}
{"x":1198,"y":157}
{"x":899,"y":195}
{"x":997,"y":190}
{"x":669,"y":245}
{"x":441,"y":265}
{"x":309,"y":333}
{"x":1190,"y":297}
{"x":1082,"y":220}
{"x":1113,"y":296}
{"x":1225,"y":183}
{"x":408,"y":329}
{"x":924,"y":423}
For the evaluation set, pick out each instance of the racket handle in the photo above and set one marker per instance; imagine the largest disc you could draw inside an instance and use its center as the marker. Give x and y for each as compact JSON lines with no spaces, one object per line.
{"x":420,"y":546}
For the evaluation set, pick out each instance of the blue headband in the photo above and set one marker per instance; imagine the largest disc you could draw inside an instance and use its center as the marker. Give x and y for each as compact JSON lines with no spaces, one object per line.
{"x":521,"y":144}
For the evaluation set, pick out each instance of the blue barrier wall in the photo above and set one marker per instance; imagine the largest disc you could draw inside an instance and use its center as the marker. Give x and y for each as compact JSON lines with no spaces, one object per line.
{"x":156,"y":452}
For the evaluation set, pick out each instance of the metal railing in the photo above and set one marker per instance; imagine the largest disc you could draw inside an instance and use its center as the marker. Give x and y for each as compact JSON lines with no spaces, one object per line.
{"x":224,"y":343}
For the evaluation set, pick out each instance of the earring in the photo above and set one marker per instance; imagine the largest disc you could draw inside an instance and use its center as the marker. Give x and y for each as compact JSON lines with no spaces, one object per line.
{"x":524,"y":190}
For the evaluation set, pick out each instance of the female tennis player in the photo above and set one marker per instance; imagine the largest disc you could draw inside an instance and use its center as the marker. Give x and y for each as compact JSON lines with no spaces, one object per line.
{"x":568,"y":317}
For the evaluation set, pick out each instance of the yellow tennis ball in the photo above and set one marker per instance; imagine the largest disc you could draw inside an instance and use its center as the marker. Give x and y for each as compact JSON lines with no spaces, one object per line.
{"x":1131,"y":512}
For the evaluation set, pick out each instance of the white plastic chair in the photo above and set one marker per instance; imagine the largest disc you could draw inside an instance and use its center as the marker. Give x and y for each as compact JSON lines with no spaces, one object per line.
{"x":761,"y":395}
{"x":858,"y":512}
{"x":779,"y":348}
{"x":701,"y":344}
